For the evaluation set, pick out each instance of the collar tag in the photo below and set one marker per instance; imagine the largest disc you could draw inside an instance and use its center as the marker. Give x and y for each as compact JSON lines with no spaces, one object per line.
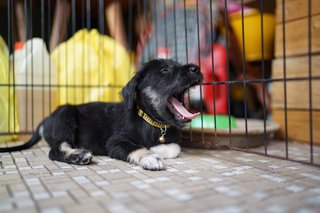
{"x":162,"y":138}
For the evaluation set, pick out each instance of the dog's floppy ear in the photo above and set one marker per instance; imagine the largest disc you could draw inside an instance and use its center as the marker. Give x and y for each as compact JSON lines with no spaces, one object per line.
{"x":129,"y":91}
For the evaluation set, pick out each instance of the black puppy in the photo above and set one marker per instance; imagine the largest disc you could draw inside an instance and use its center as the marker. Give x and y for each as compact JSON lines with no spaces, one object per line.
{"x":142,"y":129}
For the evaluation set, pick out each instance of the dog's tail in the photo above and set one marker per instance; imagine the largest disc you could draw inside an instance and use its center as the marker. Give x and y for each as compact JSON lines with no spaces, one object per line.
{"x":36,"y":137}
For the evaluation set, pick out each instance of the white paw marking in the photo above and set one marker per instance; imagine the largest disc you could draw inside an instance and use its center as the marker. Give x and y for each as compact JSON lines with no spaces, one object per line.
{"x":81,"y":157}
{"x":87,"y":158}
{"x":151,"y":162}
{"x":171,"y":150}
{"x":76,"y":156}
{"x":135,"y":156}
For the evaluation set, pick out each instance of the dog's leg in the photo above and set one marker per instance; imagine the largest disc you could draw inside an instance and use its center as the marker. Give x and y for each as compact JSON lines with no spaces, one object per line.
{"x":123,"y":149}
{"x":165,"y":151}
{"x":146,"y":159}
{"x":152,"y":159}
{"x":65,"y":153}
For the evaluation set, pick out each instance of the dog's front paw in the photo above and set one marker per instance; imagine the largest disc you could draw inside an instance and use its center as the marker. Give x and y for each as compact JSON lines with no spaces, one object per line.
{"x":166,"y":151}
{"x":151,"y":162}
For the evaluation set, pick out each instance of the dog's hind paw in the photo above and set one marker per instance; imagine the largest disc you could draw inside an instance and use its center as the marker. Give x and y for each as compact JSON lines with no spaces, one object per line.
{"x":81,"y":157}
{"x":151,"y":162}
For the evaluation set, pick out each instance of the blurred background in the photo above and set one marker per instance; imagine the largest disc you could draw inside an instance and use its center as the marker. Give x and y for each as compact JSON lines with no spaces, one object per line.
{"x":258,"y":59}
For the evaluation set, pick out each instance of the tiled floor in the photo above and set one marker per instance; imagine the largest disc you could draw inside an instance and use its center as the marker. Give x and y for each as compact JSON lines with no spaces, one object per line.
{"x":198,"y":181}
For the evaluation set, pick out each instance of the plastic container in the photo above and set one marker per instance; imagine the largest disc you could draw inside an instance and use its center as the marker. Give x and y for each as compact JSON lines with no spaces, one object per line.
{"x":207,"y":122}
{"x":33,"y":75}
{"x":255,"y":135}
{"x":32,"y":64}
{"x":217,"y":93}
{"x":252,"y":33}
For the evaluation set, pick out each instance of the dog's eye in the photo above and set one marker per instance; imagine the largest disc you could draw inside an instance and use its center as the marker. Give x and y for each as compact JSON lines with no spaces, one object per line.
{"x":164,"y":70}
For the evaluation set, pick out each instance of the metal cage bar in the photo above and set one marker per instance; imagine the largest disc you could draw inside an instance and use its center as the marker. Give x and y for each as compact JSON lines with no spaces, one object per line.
{"x":148,"y":26}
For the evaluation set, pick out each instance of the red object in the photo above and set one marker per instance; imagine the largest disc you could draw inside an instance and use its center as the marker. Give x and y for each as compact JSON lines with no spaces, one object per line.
{"x":217,"y":93}
{"x":18,"y":45}
{"x":164,"y":52}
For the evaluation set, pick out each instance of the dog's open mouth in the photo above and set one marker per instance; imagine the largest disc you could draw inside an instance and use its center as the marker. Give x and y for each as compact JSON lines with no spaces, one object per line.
{"x":179,"y":110}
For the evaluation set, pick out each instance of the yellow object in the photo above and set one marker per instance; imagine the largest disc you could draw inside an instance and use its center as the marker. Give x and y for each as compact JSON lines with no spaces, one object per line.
{"x":8,"y":113}
{"x":91,"y":67}
{"x":252,"y":33}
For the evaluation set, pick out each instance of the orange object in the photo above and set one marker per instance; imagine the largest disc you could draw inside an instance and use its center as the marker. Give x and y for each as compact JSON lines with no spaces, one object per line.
{"x":18,"y":45}
{"x":164,"y":53}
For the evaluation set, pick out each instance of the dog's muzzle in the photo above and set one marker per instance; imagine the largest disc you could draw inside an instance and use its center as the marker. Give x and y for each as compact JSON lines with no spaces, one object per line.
{"x":176,"y":100}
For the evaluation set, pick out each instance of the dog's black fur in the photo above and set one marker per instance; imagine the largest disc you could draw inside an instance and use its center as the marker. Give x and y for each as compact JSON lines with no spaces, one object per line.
{"x":115,"y":129}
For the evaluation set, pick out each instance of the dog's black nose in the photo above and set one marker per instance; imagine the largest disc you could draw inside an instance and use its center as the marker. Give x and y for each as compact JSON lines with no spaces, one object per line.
{"x":194,"y":69}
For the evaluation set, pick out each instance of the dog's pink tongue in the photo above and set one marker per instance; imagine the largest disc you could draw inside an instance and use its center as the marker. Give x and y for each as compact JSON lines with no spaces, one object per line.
{"x":180,"y":108}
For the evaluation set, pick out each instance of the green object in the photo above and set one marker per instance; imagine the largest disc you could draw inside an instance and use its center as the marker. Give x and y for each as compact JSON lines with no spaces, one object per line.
{"x":222,"y":122}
